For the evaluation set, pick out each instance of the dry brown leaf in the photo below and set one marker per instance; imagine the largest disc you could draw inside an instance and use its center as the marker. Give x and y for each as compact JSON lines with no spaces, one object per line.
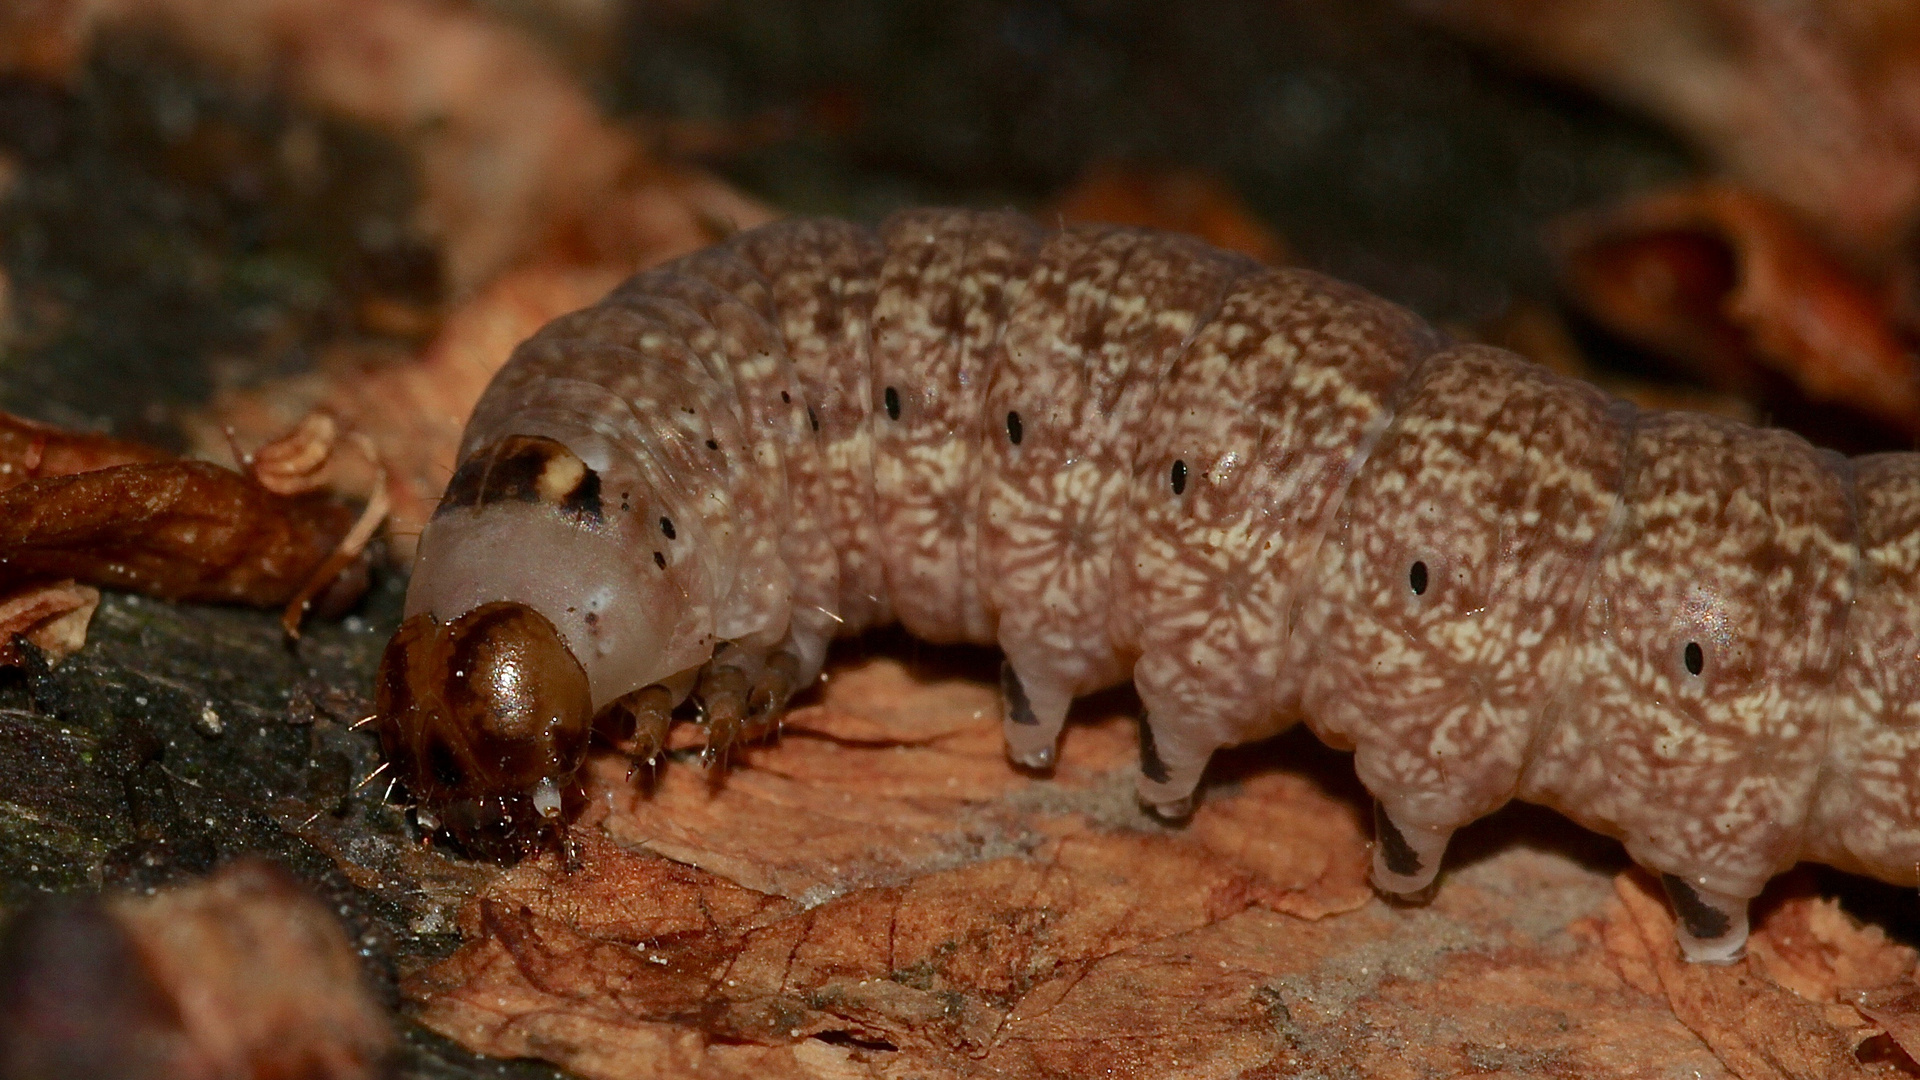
{"x":78,"y":506}
{"x":185,"y":530}
{"x":1183,"y":200}
{"x":1896,"y":1008}
{"x":1810,"y":946}
{"x":242,"y":976}
{"x":296,"y":462}
{"x":1760,"y":1029}
{"x":1817,"y":103}
{"x":879,"y":894}
{"x":1728,"y":282}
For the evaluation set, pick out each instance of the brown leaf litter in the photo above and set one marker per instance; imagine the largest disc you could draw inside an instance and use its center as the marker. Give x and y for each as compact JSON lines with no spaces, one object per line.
{"x":878,"y":894}
{"x":242,"y":976}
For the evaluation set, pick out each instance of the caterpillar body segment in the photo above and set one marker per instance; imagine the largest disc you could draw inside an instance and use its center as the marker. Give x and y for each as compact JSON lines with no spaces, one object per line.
{"x":1261,"y":494}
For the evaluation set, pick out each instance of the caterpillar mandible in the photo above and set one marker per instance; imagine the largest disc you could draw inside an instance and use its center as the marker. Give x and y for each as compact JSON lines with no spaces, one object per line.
{"x":1261,"y":494}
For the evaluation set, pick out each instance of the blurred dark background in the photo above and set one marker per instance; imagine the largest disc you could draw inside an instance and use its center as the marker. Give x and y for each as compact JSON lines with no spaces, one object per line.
{"x":167,"y":228}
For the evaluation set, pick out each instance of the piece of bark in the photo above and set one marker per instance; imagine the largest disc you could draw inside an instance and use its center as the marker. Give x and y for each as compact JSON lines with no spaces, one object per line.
{"x":240,"y":977}
{"x":1727,"y":282}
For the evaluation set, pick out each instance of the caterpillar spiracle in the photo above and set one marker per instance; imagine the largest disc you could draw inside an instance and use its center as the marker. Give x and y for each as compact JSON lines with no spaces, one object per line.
{"x":1261,"y":494}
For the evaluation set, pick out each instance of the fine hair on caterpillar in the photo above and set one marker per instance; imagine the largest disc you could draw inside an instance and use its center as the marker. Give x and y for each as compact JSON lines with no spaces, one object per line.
{"x":1260,"y":494}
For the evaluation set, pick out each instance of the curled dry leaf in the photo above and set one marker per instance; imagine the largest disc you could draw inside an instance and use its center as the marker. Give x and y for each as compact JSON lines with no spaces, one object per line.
{"x":1896,"y":1008}
{"x":1183,"y":200}
{"x":293,"y":464}
{"x":1816,"y":104}
{"x":240,"y":977}
{"x":183,"y":530}
{"x":52,"y":616}
{"x":78,"y":507}
{"x":1728,"y":282}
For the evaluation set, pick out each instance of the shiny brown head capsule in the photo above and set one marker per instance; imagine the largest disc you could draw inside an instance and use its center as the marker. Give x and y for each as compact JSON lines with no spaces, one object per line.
{"x":486,"y":720}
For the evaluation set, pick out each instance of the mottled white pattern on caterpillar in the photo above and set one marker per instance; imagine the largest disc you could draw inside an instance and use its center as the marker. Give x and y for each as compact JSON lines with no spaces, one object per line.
{"x":1260,"y":494}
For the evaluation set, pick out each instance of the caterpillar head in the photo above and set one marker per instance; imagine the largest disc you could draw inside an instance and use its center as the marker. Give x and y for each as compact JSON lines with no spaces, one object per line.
{"x":485,"y":717}
{"x":526,"y":615}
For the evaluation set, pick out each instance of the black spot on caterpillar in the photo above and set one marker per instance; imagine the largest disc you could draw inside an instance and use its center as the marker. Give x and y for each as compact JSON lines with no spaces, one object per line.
{"x":1487,"y":581}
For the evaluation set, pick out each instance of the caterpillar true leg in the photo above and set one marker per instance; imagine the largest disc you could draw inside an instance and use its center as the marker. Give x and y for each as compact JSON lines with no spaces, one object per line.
{"x":724,"y":685}
{"x":777,"y":681}
{"x":637,"y":723}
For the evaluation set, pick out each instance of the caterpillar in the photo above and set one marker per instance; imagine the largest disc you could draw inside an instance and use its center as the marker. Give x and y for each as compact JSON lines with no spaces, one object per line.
{"x":1261,"y":494}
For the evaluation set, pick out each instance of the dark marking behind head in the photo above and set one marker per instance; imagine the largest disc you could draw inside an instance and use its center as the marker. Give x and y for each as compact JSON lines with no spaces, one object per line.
{"x":1399,"y":855}
{"x":528,"y":469}
{"x":468,"y":482}
{"x":1703,"y":920}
